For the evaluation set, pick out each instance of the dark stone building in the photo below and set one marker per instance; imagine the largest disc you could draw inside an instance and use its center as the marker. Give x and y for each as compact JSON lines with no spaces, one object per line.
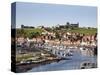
{"x":68,"y":25}
{"x":22,"y":26}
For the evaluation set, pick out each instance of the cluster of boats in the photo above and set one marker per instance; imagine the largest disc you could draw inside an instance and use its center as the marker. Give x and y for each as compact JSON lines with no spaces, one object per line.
{"x":66,"y":51}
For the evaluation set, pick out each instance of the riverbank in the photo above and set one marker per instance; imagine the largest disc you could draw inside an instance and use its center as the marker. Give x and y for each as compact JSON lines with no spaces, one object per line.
{"x":29,"y":66}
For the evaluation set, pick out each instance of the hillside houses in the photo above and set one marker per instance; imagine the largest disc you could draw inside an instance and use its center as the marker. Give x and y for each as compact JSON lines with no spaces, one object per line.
{"x":51,"y":36}
{"x":67,"y":38}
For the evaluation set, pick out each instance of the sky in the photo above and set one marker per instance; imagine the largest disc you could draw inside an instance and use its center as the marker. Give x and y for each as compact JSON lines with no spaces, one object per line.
{"x":48,"y":15}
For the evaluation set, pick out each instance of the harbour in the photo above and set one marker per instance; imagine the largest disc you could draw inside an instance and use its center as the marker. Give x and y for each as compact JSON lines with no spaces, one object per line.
{"x":62,"y":59}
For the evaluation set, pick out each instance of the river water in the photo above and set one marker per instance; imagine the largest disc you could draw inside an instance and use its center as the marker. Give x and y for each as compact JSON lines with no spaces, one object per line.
{"x":75,"y":62}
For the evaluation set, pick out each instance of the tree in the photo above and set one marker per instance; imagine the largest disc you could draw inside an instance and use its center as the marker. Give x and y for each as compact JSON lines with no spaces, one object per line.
{"x":33,"y":34}
{"x":58,"y":36}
